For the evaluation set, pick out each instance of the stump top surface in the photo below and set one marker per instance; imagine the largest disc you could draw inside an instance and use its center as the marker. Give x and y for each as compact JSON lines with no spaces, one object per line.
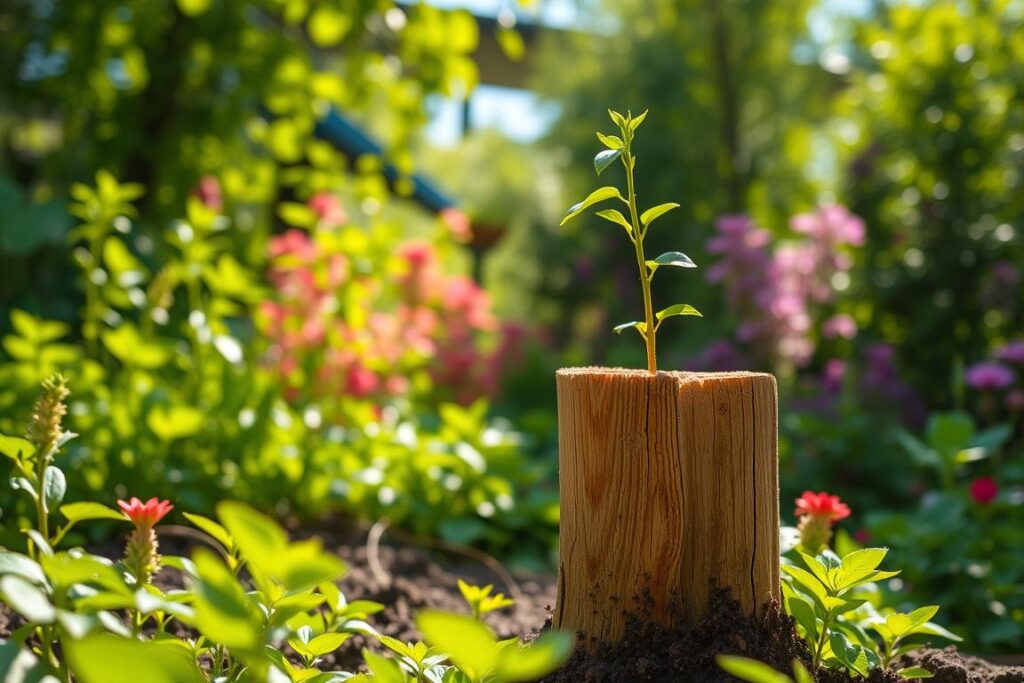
{"x":681,"y":376}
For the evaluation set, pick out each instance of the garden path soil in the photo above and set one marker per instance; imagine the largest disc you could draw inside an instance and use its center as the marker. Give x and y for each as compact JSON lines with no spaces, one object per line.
{"x":412,"y":580}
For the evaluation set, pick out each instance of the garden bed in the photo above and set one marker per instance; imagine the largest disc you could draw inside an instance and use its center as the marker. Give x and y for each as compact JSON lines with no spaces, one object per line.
{"x":407,"y":579}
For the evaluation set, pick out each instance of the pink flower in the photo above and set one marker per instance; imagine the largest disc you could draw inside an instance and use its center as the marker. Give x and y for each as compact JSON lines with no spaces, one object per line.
{"x":328,"y":209}
{"x":821,"y":505}
{"x":458,"y":224}
{"x":145,"y":515}
{"x":989,"y":376}
{"x":984,"y":490}
{"x":839,"y":327}
{"x":1013,"y":352}
{"x":208,"y":192}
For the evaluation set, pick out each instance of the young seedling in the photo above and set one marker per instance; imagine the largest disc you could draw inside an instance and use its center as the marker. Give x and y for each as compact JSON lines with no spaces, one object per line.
{"x":636,"y":226}
{"x":481,"y":601}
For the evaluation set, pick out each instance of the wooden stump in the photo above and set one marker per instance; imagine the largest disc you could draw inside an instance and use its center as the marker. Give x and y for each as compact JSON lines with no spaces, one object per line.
{"x":668,"y":483}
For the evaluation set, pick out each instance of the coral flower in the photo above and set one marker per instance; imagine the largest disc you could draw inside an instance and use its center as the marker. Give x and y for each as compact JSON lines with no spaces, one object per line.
{"x":145,"y":515}
{"x":984,"y":490}
{"x":821,"y":505}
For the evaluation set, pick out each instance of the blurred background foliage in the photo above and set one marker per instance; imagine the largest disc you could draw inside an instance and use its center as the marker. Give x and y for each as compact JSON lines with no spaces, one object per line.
{"x":253,"y":304}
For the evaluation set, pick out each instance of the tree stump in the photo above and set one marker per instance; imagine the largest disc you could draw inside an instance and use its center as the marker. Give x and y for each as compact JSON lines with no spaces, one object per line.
{"x":669,"y":485}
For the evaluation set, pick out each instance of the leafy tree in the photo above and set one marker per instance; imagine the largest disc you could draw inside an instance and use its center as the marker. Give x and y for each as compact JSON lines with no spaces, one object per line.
{"x":931,"y":129}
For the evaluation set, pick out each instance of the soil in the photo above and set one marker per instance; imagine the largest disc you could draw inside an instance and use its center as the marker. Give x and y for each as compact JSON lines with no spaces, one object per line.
{"x":407,"y":579}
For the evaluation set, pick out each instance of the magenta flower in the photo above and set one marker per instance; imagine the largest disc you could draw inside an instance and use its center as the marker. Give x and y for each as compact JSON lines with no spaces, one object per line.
{"x":1013,"y":352}
{"x":989,"y":376}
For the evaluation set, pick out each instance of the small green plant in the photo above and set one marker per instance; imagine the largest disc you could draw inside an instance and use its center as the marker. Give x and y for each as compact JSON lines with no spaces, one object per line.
{"x":87,"y":619}
{"x":636,"y":226}
{"x":481,"y":601}
{"x":833,"y":616}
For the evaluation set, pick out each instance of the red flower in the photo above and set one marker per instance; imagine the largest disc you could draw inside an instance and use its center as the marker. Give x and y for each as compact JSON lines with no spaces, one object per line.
{"x":984,"y":490}
{"x":821,"y":505}
{"x":208,"y":193}
{"x":145,"y":515}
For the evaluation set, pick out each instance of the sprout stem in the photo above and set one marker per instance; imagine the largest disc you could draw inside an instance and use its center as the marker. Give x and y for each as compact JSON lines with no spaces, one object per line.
{"x":638,"y":242}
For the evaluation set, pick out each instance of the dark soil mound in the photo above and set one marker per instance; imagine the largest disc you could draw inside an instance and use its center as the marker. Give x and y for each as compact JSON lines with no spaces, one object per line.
{"x":949,"y":666}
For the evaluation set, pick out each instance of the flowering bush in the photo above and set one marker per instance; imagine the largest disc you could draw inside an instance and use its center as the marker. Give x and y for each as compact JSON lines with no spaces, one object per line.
{"x":353,"y":316}
{"x":88,"y":619}
{"x":779,"y":294}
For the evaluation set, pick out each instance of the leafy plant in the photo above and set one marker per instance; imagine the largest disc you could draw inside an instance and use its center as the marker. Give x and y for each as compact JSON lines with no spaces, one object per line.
{"x":74,"y":604}
{"x":823,"y":597}
{"x":619,"y":147}
{"x":480,"y":600}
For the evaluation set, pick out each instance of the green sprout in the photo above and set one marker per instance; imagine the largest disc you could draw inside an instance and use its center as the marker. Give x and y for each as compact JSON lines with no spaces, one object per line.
{"x":620,"y":147}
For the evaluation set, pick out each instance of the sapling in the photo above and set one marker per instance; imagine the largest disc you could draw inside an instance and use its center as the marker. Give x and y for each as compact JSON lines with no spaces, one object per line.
{"x":619,"y":147}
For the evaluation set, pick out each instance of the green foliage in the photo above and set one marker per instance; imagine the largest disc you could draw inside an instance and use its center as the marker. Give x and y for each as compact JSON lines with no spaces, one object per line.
{"x":929,"y":131}
{"x":480,"y":599}
{"x":831,"y":600}
{"x":71,"y":603}
{"x":636,"y":228}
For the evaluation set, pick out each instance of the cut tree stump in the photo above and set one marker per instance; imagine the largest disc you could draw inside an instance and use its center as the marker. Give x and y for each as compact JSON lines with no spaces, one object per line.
{"x":669,"y":486}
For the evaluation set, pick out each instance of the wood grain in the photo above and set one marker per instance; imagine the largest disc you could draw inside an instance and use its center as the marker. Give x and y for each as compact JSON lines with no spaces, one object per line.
{"x":668,"y":483}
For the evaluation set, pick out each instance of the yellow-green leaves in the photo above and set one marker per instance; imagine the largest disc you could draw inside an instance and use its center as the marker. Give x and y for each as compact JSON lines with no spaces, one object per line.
{"x":473,"y":648}
{"x":677,"y":309}
{"x":481,"y":601}
{"x":614,"y":216}
{"x":610,"y":141}
{"x":653,"y":213}
{"x":599,"y":195}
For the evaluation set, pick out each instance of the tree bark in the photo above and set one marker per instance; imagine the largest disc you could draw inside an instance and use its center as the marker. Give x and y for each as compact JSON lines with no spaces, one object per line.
{"x":669,"y":486}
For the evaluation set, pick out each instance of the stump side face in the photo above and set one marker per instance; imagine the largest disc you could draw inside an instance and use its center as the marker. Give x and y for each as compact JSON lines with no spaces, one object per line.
{"x":668,"y":482}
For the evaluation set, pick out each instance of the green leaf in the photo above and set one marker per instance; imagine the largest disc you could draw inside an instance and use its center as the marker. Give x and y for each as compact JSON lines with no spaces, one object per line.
{"x":933,"y":629}
{"x":27,"y":599}
{"x":615,"y":217}
{"x":922,"y":615}
{"x":750,"y":670}
{"x":469,"y":643}
{"x":635,"y":123}
{"x":599,"y":195}
{"x":803,"y":611}
{"x":20,"y":565}
{"x":617,"y":118}
{"x":864,"y":560}
{"x":641,"y":327}
{"x":611,"y":141}
{"x":327,"y":642}
{"x":605,"y":158}
{"x":80,"y":512}
{"x":950,"y":432}
{"x":808,"y":582}
{"x":212,"y":528}
{"x":801,"y":673}
{"x":224,"y":613}
{"x":672,"y":258}
{"x":129,"y":347}
{"x":538,"y":659}
{"x":174,"y":422}
{"x":16,"y":448}
{"x":102,"y":658}
{"x":677,"y":309}
{"x":384,"y":670}
{"x":653,"y":213}
{"x":55,"y":485}
{"x":915,"y":672}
